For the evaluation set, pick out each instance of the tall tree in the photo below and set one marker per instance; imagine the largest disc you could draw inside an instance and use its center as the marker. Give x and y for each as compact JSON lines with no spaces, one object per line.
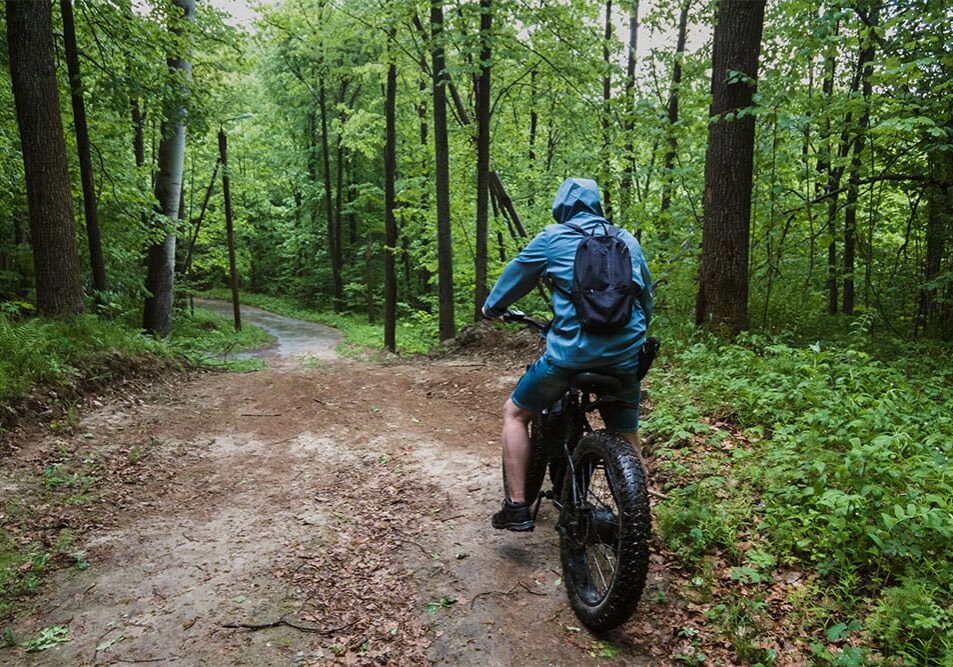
{"x":825,"y":168}
{"x":97,"y":264}
{"x":157,"y":316}
{"x":870,"y":19}
{"x":333,"y":240}
{"x":722,"y":302}
{"x":628,"y":178}
{"x":606,"y":112}
{"x":939,"y":231}
{"x":59,"y":289}
{"x":671,"y":150}
{"x":447,"y":326}
{"x":390,"y":220}
{"x":483,"y":158}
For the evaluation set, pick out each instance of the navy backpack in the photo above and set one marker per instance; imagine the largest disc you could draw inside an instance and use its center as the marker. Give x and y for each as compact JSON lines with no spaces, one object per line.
{"x":602,"y":289}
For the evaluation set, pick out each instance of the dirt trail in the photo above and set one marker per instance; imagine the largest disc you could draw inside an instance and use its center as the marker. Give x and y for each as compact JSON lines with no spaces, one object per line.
{"x":349,"y":499}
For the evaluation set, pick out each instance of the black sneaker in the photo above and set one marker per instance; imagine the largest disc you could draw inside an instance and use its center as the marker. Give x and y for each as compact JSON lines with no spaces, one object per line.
{"x":513,"y":516}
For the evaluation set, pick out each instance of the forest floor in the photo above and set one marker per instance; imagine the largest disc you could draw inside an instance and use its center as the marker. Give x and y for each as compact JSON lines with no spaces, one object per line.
{"x":343,"y":504}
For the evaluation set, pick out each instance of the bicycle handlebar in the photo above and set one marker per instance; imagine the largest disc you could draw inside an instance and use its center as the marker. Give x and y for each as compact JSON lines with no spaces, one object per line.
{"x":519,"y":317}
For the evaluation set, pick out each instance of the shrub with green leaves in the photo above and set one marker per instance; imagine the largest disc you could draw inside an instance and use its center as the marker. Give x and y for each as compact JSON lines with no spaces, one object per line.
{"x":848,"y":461}
{"x":39,"y":351}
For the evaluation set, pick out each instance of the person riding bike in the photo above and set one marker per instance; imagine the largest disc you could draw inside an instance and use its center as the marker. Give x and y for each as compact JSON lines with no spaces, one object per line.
{"x":569,"y":348}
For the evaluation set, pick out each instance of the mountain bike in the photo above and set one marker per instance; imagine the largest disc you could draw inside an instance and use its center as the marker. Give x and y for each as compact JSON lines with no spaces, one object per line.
{"x":598,"y":485}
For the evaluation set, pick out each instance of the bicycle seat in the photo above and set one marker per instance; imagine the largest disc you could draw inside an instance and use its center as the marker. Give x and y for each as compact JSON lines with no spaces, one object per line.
{"x":595,"y":383}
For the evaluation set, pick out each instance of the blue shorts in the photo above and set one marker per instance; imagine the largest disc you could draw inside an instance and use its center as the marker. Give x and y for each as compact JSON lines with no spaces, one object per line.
{"x":543,"y":384}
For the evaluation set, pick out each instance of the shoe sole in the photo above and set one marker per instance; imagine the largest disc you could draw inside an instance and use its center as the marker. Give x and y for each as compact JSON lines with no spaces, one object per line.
{"x":521,"y":527}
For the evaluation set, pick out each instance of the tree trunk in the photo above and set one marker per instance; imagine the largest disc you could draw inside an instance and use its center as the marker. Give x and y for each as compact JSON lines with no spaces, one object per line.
{"x":82,"y":147}
{"x":722,"y":302}
{"x":339,"y":168}
{"x":390,"y":220}
{"x":533,"y":128}
{"x":369,"y":279}
{"x":157,"y":316}
{"x":423,"y":273}
{"x":483,"y":160}
{"x":629,"y":177}
{"x":333,"y":250}
{"x":442,"y":175}
{"x":606,"y":114}
{"x":669,"y":161}
{"x":825,"y":170}
{"x":138,"y":137}
{"x":850,"y":208}
{"x":939,"y":229}
{"x":59,"y":288}
{"x":312,"y":130}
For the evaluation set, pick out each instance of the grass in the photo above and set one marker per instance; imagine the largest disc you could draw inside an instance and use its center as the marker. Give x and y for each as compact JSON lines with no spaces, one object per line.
{"x":210,"y":339}
{"x":416,"y":335}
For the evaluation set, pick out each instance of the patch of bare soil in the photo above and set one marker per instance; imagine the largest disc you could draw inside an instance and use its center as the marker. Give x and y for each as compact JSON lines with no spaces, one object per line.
{"x":331,"y":513}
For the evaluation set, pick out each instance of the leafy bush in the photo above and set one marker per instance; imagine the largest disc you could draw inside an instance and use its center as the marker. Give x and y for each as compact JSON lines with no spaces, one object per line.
{"x":910,"y":621}
{"x":847,"y":460}
{"x":51,"y":352}
{"x":208,"y":337}
{"x":38,"y":352}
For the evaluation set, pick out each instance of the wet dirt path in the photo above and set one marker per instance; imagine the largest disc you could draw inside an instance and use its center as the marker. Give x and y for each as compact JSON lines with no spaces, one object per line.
{"x":293,"y":338}
{"x":342,"y":504}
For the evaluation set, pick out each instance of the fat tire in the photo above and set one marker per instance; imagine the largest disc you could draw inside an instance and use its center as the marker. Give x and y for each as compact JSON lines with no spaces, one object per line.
{"x":628,"y":485}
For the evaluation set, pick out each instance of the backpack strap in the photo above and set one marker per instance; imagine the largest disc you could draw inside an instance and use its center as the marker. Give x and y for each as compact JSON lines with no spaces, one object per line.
{"x":576,"y":228}
{"x":555,"y":286}
{"x":552,"y":281}
{"x":607,"y":227}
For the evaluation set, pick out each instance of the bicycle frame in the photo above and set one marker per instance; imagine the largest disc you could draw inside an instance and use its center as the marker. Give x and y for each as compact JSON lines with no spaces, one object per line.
{"x":579,"y":404}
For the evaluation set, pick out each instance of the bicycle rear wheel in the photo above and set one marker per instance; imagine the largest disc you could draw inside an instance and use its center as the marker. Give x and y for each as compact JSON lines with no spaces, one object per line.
{"x":604,"y":531}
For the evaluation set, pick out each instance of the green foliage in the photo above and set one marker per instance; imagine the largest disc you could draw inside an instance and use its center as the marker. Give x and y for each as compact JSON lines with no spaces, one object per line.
{"x":914,"y":621}
{"x":842,"y":463}
{"x":20,"y":569}
{"x":210,"y":338}
{"x":57,"y":352}
{"x":694,"y":521}
{"x":48,"y":638}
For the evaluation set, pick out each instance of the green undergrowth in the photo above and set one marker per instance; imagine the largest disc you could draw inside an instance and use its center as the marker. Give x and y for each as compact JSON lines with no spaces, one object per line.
{"x":55,"y":353}
{"x":63,"y":354}
{"x":210,"y":339}
{"x":415,"y":335}
{"x":818,"y":458}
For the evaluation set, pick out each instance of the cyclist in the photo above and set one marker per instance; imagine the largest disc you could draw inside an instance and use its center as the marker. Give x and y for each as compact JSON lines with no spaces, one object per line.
{"x":569,"y":349}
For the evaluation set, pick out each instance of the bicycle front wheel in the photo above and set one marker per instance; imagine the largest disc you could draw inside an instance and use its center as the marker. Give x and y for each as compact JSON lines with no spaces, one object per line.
{"x":604,"y":531}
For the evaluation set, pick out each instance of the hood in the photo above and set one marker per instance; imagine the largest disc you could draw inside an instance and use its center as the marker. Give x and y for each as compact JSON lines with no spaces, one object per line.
{"x":575,"y":196}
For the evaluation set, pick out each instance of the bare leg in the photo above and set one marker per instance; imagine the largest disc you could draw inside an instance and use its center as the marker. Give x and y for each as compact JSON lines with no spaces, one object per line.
{"x":516,"y":449}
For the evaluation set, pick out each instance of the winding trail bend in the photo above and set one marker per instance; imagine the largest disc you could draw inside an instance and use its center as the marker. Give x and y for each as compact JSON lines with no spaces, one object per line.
{"x":342,"y":505}
{"x":293,"y":338}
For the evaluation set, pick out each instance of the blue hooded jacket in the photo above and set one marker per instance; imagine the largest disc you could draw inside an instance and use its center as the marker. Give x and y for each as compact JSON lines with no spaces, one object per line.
{"x":552,"y":254}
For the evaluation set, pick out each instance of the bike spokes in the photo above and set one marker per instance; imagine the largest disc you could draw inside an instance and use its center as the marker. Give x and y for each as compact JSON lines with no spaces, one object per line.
{"x":604,"y":527}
